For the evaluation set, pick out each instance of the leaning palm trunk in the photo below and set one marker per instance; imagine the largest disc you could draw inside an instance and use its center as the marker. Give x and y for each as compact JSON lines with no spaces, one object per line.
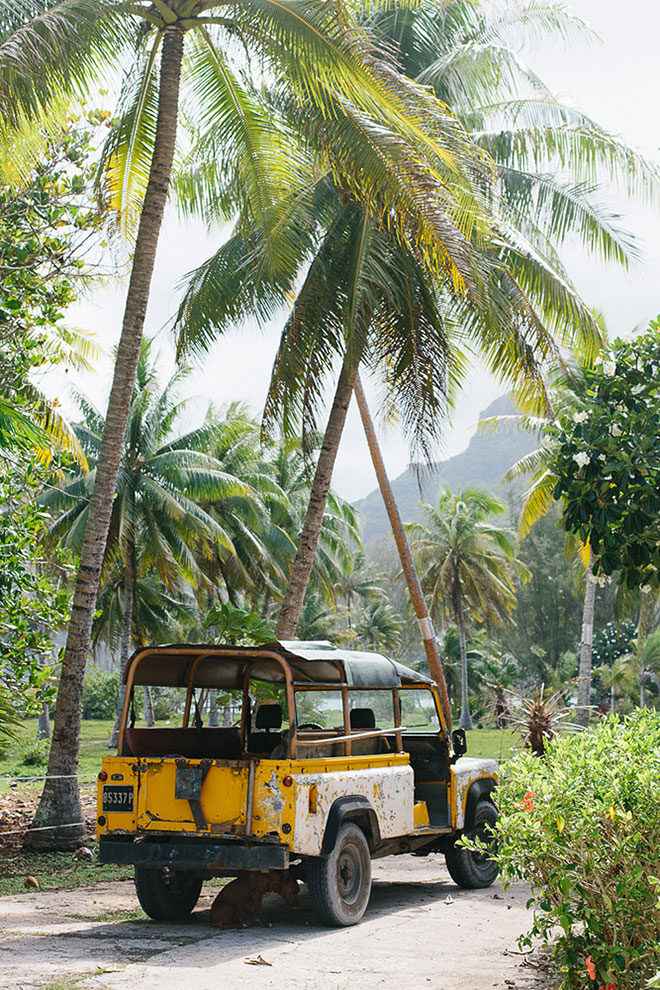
{"x":584,"y":674}
{"x":318,"y":499}
{"x":407,"y":563}
{"x":58,"y":823}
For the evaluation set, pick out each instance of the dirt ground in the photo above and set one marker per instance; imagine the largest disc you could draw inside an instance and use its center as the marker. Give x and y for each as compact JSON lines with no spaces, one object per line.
{"x":419,"y":932}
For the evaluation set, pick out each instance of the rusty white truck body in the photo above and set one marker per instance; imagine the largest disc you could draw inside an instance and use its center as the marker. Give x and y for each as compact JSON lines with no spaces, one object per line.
{"x":333,"y":755}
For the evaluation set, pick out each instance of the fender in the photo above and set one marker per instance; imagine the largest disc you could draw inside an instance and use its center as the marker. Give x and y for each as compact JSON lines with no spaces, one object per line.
{"x":478,"y":790}
{"x":355,"y":808}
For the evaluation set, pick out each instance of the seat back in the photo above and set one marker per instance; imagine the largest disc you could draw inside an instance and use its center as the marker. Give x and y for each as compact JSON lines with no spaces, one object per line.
{"x":362,"y":718}
{"x":267,"y":723}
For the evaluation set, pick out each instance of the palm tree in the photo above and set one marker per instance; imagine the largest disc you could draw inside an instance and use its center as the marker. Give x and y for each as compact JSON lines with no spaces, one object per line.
{"x":379,"y":625}
{"x":621,"y":676}
{"x":372,"y":126}
{"x":339,"y":537}
{"x":264,"y":529}
{"x":365,"y":299}
{"x":161,"y":613}
{"x":468,"y":566}
{"x":164,"y":477}
{"x":358,"y":587}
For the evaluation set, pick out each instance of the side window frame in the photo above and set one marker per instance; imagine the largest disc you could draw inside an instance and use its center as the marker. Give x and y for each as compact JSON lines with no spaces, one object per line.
{"x":442,"y":729}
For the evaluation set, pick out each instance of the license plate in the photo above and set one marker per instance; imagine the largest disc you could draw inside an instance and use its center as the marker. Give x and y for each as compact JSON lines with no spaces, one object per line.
{"x":118,"y":797}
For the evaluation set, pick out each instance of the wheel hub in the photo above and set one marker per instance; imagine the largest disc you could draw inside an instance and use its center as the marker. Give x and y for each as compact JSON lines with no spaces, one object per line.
{"x":349,"y":875}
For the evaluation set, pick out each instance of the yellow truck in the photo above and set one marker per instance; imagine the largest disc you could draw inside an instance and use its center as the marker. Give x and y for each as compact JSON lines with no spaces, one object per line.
{"x":329,"y":758}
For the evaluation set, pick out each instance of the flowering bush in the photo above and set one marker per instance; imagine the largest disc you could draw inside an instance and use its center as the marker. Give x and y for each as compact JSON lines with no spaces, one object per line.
{"x":582,"y":826}
{"x":607,"y":459}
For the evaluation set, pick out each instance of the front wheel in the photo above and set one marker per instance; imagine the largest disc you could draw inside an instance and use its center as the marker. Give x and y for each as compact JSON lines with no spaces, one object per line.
{"x":473,"y":870}
{"x":340,"y":884}
{"x":167,"y":895}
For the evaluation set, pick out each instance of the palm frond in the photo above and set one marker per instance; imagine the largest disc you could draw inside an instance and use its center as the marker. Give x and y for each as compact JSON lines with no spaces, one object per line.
{"x":49,"y":48}
{"x":127,"y":153}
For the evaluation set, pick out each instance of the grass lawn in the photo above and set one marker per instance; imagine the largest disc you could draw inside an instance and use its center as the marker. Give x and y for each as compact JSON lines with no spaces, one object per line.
{"x":93,"y":747}
{"x":496,"y":744}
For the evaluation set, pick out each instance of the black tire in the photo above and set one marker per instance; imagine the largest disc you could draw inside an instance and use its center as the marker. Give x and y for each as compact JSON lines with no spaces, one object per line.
{"x":340,"y":884}
{"x":475,"y":870}
{"x":167,"y":895}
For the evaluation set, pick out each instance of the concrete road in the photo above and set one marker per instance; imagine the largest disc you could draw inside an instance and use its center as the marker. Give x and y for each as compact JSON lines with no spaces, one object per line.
{"x":419,"y":932}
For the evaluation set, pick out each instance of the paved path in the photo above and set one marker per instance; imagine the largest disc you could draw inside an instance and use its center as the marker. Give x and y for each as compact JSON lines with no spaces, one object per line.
{"x":95,"y":938}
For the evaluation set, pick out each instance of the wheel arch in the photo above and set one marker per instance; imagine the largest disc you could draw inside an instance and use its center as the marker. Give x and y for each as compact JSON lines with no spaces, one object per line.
{"x":479,"y":790}
{"x":353,"y":808}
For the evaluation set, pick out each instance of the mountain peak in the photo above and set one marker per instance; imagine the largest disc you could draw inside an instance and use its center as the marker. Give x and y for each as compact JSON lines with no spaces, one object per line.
{"x":484,"y":462}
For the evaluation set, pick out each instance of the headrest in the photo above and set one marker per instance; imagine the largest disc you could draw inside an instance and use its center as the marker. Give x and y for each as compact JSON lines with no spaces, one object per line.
{"x":362,"y":718}
{"x":268,"y":717}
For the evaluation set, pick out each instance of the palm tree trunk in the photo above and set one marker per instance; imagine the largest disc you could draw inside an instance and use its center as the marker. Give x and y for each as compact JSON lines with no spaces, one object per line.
{"x":647,"y":605}
{"x":60,"y":801}
{"x":466,"y":718}
{"x":407,"y":563}
{"x":584,"y":674}
{"x":214,"y":714}
{"x":318,"y":499}
{"x":43,"y":725}
{"x":124,"y":640}
{"x":148,"y":709}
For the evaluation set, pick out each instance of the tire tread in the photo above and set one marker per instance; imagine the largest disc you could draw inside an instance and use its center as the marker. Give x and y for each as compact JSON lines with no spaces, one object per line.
{"x":321,"y":892}
{"x":460,"y":863}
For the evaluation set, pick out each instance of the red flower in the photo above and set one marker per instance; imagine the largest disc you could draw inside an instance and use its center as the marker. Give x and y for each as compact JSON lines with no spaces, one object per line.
{"x":591,"y":969}
{"x":527,"y":803}
{"x":607,"y":986}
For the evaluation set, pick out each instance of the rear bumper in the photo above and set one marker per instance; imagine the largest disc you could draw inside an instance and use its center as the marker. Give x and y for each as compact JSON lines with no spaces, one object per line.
{"x":194,"y":855}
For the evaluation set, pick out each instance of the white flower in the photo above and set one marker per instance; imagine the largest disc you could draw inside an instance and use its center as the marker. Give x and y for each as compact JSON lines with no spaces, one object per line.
{"x":581,"y":459}
{"x":580,"y":417}
{"x":615,"y":430}
{"x":645,"y":588}
{"x":609,"y":368}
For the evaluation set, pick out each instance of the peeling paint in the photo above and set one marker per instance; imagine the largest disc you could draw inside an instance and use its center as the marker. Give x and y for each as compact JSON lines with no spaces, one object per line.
{"x":390,"y":791}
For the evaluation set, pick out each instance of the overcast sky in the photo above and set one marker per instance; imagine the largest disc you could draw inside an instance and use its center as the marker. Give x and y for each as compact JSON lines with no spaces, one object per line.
{"x":617,"y":82}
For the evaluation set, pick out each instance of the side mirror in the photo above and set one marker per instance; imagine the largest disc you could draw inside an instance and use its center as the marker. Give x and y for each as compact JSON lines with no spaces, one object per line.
{"x":458,"y":743}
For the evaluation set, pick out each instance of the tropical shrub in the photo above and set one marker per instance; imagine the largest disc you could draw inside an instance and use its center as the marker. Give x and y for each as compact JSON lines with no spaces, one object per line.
{"x":100,"y":694}
{"x":582,"y":826}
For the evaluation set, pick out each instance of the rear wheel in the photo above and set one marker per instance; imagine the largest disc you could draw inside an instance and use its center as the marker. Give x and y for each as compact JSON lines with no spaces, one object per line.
{"x":167,"y":895}
{"x":473,"y":870}
{"x":340,"y":884}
